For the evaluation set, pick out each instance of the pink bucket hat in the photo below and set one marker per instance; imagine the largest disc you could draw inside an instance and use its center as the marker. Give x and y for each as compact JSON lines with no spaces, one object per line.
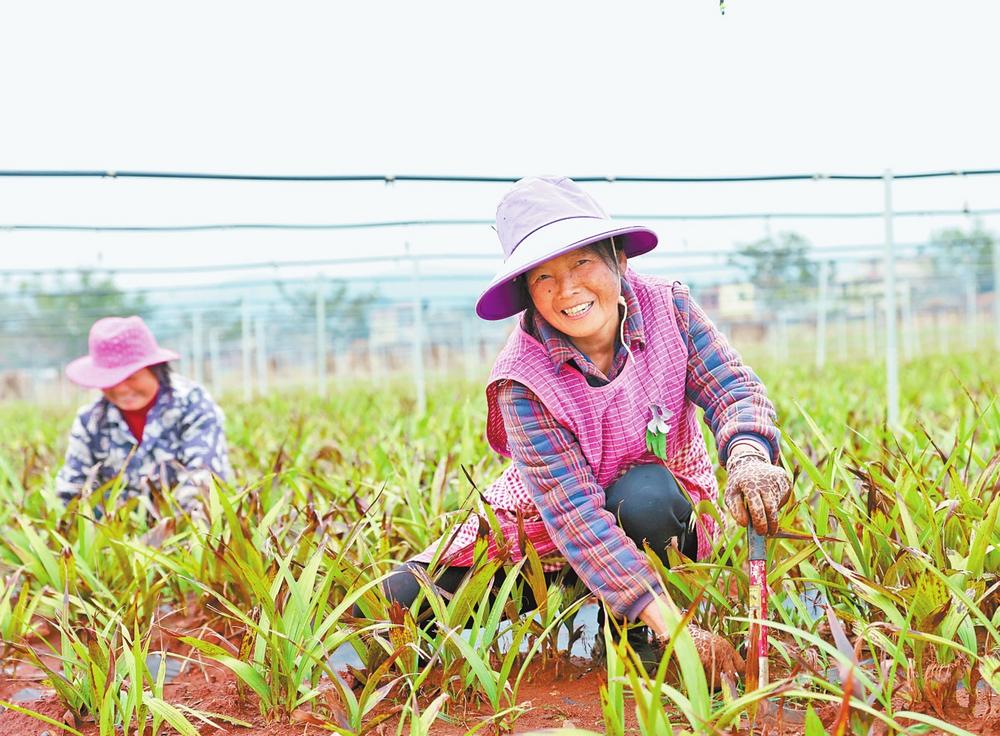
{"x":119,"y":346}
{"x":543,"y":217}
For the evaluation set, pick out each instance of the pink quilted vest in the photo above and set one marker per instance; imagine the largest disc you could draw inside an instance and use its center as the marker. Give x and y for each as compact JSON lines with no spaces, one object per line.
{"x":610,"y":421}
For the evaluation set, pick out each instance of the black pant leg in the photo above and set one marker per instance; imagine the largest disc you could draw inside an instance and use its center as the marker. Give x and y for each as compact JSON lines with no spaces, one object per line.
{"x":647,"y":503}
{"x":650,"y":507}
{"x":402,"y":585}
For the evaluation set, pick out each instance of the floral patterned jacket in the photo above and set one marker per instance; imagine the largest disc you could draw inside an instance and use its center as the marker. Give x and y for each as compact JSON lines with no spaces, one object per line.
{"x":182,"y":446}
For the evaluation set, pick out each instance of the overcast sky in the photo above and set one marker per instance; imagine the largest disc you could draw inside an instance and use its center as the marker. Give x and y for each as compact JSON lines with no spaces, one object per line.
{"x":505,"y":88}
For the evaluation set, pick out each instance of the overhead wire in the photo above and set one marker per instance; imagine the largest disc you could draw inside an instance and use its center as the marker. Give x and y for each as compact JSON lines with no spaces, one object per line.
{"x":453,"y":222}
{"x":390,"y":179}
{"x":462,"y":179}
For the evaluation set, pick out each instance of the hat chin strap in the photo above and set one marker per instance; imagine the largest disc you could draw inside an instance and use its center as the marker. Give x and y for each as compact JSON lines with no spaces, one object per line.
{"x":621,"y":302}
{"x":614,"y":254}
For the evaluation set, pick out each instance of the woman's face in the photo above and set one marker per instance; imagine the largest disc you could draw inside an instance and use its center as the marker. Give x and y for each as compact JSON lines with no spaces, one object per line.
{"x":577,"y":293}
{"x":134,"y":392}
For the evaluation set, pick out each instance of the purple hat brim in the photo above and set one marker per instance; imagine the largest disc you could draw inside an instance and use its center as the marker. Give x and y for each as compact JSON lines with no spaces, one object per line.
{"x":84,"y":372}
{"x":504,"y":297}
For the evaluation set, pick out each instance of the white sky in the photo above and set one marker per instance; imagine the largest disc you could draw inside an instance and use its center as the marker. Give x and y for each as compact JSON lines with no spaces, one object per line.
{"x":503,"y":88}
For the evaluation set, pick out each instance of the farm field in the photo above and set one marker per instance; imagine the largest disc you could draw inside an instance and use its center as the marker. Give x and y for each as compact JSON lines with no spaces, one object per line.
{"x":885,"y":596}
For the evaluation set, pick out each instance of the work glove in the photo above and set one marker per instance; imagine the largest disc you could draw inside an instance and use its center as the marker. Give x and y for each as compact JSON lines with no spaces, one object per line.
{"x":755,"y":490}
{"x":717,"y":656}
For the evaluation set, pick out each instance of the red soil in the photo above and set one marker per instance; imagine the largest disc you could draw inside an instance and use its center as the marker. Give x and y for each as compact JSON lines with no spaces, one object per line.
{"x":561,"y":696}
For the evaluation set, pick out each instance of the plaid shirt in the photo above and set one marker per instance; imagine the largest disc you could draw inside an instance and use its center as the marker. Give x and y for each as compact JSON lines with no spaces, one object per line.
{"x":548,"y":455}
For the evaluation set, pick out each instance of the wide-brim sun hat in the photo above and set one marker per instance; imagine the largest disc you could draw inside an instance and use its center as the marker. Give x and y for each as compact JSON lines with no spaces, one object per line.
{"x":540,"y":218}
{"x":119,"y":346}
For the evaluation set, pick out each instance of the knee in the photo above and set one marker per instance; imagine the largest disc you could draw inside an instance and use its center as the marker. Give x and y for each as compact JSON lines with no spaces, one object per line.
{"x":648,"y":503}
{"x":400,"y":585}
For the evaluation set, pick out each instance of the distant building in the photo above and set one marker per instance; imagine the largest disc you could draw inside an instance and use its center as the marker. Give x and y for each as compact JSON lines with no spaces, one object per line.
{"x":728,"y":302}
{"x":737,"y":301}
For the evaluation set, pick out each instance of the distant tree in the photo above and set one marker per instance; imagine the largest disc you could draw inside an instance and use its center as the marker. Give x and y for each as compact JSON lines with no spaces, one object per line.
{"x":959,"y":252}
{"x":779,"y":267}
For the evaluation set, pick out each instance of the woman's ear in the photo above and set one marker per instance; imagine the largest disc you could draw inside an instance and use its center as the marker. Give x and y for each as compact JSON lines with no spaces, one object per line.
{"x":622,"y":262}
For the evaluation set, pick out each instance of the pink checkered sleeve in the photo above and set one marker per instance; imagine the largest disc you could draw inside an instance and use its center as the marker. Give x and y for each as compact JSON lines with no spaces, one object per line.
{"x":733,"y":397}
{"x":571,"y":503}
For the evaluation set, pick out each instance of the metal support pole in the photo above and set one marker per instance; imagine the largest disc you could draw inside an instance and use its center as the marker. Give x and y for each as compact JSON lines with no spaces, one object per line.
{"x":843,"y":346}
{"x":63,"y":386}
{"x":246,"y":346}
{"x":469,"y":361}
{"x":971,"y":316}
{"x":783,"y":337}
{"x":477,"y":338}
{"x":871,"y":316}
{"x":941,"y":331}
{"x":946,"y":330}
{"x":214,"y":361}
{"x":197,"y":353}
{"x":320,"y":338}
{"x":184,"y":361}
{"x":907,"y":308}
{"x":914,"y":317}
{"x":340,"y":363}
{"x":774,"y":337}
{"x":824,"y":278}
{"x":418,"y":338}
{"x":996,"y":292}
{"x":891,"y":356}
{"x":374,"y":364}
{"x":261,"y":345}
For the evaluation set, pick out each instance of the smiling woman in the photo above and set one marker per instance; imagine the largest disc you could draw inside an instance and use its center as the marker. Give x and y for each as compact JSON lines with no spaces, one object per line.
{"x":602,"y":358}
{"x":156,"y":430}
